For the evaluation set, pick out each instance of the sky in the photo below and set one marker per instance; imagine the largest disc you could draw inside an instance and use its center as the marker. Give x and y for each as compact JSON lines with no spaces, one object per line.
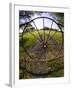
{"x":39,"y":22}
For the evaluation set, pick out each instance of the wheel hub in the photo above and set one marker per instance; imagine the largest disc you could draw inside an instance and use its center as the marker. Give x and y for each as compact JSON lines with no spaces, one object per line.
{"x":44,"y":45}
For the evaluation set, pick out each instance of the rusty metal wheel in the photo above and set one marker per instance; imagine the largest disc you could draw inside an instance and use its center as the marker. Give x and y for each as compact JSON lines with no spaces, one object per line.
{"x":43,"y":44}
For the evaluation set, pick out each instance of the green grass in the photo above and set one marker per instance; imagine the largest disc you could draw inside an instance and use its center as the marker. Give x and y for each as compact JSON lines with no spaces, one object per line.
{"x":57,"y":66}
{"x":31,"y":40}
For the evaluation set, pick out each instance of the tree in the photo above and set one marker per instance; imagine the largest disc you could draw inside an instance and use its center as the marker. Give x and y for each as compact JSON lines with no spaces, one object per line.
{"x":26,"y":15}
{"x":45,"y":28}
{"x":59,"y":17}
{"x":29,"y":28}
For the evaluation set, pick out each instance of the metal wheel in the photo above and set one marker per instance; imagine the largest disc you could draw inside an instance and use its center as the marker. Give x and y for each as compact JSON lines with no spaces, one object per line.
{"x":42,"y":46}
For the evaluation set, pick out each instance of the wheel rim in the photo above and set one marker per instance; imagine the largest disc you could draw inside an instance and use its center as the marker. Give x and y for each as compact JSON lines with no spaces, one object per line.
{"x":47,"y":45}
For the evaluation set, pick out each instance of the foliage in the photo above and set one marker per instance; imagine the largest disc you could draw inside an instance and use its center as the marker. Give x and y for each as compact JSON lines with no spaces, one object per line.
{"x":56,"y":66}
{"x":58,"y":17}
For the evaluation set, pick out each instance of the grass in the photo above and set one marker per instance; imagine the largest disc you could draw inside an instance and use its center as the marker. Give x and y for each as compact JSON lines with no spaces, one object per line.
{"x":57,"y":66}
{"x":31,"y":40}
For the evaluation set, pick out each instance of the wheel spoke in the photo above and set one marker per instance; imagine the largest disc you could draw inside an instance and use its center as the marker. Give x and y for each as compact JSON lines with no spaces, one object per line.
{"x":43,"y":30}
{"x":51,"y":44}
{"x":35,"y":36}
{"x":49,"y":31}
{"x":31,"y":34}
{"x":28,"y":53}
{"x":51,"y":24}
{"x":52,"y":35}
{"x":57,"y":39}
{"x":37,"y":31}
{"x":61,"y":45}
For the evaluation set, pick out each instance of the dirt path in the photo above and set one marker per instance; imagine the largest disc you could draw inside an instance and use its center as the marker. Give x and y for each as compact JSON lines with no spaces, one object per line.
{"x":41,"y":55}
{"x":51,"y":51}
